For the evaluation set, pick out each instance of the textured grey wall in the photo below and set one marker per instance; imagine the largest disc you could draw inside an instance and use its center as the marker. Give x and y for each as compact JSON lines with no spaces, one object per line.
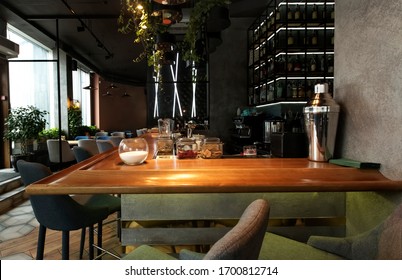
{"x":368,"y":85}
{"x":228,"y":78}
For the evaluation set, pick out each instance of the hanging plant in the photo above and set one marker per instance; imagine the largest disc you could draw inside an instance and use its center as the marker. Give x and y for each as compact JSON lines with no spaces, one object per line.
{"x":197,"y":21}
{"x":137,"y":16}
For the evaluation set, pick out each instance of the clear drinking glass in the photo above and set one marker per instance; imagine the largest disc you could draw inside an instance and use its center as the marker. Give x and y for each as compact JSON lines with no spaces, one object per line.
{"x":133,"y":151}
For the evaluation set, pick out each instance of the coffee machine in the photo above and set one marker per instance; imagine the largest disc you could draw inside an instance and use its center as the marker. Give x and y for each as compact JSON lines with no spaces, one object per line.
{"x":248,"y":130}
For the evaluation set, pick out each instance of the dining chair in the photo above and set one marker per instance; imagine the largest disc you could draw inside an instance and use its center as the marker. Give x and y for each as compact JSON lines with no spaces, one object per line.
{"x":104,"y":145}
{"x":121,"y":134}
{"x":54,"y":152}
{"x":60,"y":212}
{"x":101,"y":133}
{"x":116,"y":140}
{"x":242,"y":242}
{"x":112,"y":202}
{"x":81,"y":137}
{"x":89,"y":145}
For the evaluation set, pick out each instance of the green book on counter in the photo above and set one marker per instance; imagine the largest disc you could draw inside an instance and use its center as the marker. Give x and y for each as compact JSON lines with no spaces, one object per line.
{"x":355,"y":163}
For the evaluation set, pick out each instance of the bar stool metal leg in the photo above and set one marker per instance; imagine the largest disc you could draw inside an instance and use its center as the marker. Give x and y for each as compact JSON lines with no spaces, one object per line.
{"x":41,"y":242}
{"x":65,"y":247}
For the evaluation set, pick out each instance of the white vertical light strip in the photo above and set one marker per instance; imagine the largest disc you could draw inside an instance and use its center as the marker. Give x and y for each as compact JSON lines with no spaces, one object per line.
{"x":194,"y":74}
{"x":156,"y":106}
{"x":176,"y":92}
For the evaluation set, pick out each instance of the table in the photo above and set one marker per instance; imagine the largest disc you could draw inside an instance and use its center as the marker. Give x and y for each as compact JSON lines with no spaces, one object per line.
{"x":209,"y":189}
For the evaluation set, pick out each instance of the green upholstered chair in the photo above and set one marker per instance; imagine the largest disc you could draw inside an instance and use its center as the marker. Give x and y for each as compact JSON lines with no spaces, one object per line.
{"x":383,"y":242}
{"x":242,"y":242}
{"x":59,"y":212}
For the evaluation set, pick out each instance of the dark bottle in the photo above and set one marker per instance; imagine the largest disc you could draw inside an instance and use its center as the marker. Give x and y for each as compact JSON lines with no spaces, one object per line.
{"x":314,"y":38}
{"x":313,"y":64}
{"x":290,"y":64}
{"x":314,"y":13}
{"x":290,"y":13}
{"x":298,"y":15}
{"x":291,"y":40}
{"x":297,"y":67}
{"x":330,"y":64}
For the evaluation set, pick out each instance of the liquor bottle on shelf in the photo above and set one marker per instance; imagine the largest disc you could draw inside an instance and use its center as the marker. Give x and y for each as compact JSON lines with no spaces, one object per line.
{"x":279,"y":90}
{"x":280,"y":64}
{"x":313,"y":64}
{"x":289,"y":90}
{"x":298,"y":15}
{"x":314,"y":13}
{"x":277,"y":15}
{"x":314,"y":38}
{"x":290,"y":64}
{"x":332,"y":12}
{"x":263,"y":94}
{"x":291,"y":40}
{"x":330,"y":64}
{"x":290,"y":13}
{"x":300,"y":90}
{"x":270,"y":93}
{"x":297,"y":67}
{"x":294,"y":90}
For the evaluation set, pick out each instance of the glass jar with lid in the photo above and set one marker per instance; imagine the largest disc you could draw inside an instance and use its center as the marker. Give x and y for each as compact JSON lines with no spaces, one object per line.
{"x":186,"y":148}
{"x":211,"y":148}
{"x":164,"y":146}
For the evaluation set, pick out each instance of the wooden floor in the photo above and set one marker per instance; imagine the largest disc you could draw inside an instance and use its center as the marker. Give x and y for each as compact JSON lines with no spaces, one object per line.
{"x":27,"y":244}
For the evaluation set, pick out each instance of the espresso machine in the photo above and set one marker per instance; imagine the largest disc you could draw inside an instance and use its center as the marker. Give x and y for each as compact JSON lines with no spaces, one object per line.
{"x":248,"y":130}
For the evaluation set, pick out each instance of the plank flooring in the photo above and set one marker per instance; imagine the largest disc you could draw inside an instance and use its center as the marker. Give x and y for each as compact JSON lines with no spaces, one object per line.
{"x":26,"y":245}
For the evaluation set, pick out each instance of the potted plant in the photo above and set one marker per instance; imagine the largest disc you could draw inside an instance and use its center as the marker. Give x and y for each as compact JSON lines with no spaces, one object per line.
{"x":22,"y":126}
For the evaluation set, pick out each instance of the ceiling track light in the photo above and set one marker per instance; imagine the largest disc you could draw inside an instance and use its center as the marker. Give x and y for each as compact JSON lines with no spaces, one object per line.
{"x":112,"y":86}
{"x":125,"y":94}
{"x":83,"y":25}
{"x":88,"y":87}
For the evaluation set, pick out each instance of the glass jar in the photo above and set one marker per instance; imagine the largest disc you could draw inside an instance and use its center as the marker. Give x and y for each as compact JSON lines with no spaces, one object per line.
{"x":164,"y":146}
{"x":133,"y":151}
{"x":211,"y":148}
{"x":186,"y":148}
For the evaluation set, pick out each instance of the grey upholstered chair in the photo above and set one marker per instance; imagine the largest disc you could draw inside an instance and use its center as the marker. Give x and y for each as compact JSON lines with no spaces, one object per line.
{"x":242,"y":242}
{"x":89,"y":145}
{"x":80,"y":153}
{"x":104,"y":145}
{"x":54,"y":152}
{"x":59,"y":212}
{"x":116,"y":140}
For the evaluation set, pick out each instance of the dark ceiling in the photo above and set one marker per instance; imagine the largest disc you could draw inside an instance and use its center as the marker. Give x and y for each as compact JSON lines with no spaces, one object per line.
{"x":114,"y":59}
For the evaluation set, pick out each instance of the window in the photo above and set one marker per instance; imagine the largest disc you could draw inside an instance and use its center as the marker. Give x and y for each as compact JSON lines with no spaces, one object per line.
{"x":81,"y":79}
{"x":31,"y":75}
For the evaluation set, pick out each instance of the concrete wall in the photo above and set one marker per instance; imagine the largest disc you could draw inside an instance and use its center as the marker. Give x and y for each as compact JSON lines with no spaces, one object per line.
{"x":228,"y":77}
{"x":368,"y":85}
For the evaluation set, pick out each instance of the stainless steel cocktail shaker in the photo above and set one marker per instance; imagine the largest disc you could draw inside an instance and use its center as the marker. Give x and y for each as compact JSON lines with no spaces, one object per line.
{"x":321,"y":121}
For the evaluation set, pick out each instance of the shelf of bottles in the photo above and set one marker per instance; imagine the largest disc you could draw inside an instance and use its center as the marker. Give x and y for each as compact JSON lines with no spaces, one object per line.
{"x":290,"y":49}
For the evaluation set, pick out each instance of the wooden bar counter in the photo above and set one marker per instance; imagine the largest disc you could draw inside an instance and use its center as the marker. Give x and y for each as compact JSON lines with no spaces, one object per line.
{"x":106,"y":173}
{"x":172,"y":190}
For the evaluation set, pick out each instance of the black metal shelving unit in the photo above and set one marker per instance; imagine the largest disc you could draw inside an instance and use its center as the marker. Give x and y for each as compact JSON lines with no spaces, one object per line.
{"x":290,"y":49}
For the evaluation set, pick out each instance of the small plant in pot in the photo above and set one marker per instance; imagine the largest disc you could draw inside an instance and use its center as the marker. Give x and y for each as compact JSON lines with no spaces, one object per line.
{"x":23,"y":126}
